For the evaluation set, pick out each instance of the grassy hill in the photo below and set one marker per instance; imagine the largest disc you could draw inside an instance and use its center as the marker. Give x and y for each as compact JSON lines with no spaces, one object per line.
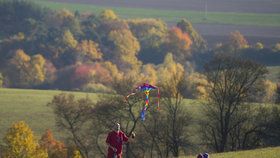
{"x":30,"y":106}
{"x":257,"y":153}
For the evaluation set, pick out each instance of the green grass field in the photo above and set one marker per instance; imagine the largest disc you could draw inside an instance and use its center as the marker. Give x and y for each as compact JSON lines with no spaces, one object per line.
{"x":30,"y":106}
{"x":274,"y":73}
{"x":257,"y":153}
{"x":254,"y":19}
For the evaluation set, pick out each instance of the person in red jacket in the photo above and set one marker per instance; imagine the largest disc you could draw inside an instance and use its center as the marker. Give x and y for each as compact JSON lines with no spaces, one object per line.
{"x":115,"y":140}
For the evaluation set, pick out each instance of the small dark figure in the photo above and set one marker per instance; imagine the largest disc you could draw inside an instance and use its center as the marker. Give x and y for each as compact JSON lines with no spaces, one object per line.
{"x":204,"y":155}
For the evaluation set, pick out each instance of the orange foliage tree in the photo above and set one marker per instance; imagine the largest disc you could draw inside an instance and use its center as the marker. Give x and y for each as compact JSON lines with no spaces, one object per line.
{"x":55,"y":149}
{"x":179,"y":44}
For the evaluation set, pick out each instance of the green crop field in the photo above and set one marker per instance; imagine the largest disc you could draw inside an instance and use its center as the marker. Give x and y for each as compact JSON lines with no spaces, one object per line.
{"x":254,"y":19}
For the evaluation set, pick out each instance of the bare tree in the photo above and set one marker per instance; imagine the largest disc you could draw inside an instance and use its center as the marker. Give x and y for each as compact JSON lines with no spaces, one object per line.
{"x":175,"y":135}
{"x":231,"y":81}
{"x":73,"y":116}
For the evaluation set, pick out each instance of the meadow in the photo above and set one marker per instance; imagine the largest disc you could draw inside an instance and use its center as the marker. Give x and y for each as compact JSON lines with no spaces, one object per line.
{"x":274,"y":73}
{"x":260,"y":153}
{"x":30,"y":106}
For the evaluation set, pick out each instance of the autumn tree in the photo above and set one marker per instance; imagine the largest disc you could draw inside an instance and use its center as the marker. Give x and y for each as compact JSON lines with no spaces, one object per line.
{"x":64,"y":20}
{"x":55,"y":148}
{"x":108,"y":14}
{"x":172,"y":85}
{"x":151,"y":34}
{"x":231,"y":80}
{"x":124,"y":49}
{"x":237,"y":41}
{"x":258,"y":46}
{"x":21,"y":63}
{"x":38,"y":68}
{"x":269,"y":92}
{"x":30,"y":70}
{"x":169,"y":66}
{"x":21,"y":143}
{"x":88,"y":51}
{"x":73,"y":116}
{"x":69,"y":40}
{"x":149,"y":73}
{"x":179,"y":44}
{"x":276,"y":47}
{"x":197,"y":86}
{"x":199,"y":44}
{"x":166,"y":130}
{"x":77,"y":154}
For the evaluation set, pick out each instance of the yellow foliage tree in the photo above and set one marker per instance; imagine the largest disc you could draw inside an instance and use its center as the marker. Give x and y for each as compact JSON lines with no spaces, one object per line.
{"x":197,"y":84}
{"x":69,"y":40}
{"x":258,"y":46}
{"x":29,"y":70}
{"x":38,"y":64}
{"x":21,"y":62}
{"x":269,"y":91}
{"x":21,"y":143}
{"x":64,"y":13}
{"x":77,"y":154}
{"x":150,"y":74}
{"x":125,"y":49}
{"x":170,"y":72}
{"x":108,"y":14}
{"x":89,"y":49}
{"x":112,"y":68}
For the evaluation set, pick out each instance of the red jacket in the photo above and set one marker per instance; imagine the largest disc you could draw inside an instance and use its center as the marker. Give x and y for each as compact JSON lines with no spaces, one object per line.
{"x":116,"y":140}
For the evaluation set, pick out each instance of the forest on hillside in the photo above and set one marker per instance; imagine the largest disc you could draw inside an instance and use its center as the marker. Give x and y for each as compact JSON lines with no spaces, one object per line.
{"x":40,"y":48}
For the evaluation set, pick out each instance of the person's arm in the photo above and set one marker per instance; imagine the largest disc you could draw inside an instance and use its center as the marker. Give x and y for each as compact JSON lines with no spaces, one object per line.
{"x":126,"y":138}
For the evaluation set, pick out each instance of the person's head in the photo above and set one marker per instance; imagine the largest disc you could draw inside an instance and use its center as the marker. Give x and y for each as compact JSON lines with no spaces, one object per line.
{"x":116,"y":127}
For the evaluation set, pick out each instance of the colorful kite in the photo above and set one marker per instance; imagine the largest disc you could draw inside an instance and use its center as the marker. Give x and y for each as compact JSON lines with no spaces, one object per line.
{"x":146,"y":88}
